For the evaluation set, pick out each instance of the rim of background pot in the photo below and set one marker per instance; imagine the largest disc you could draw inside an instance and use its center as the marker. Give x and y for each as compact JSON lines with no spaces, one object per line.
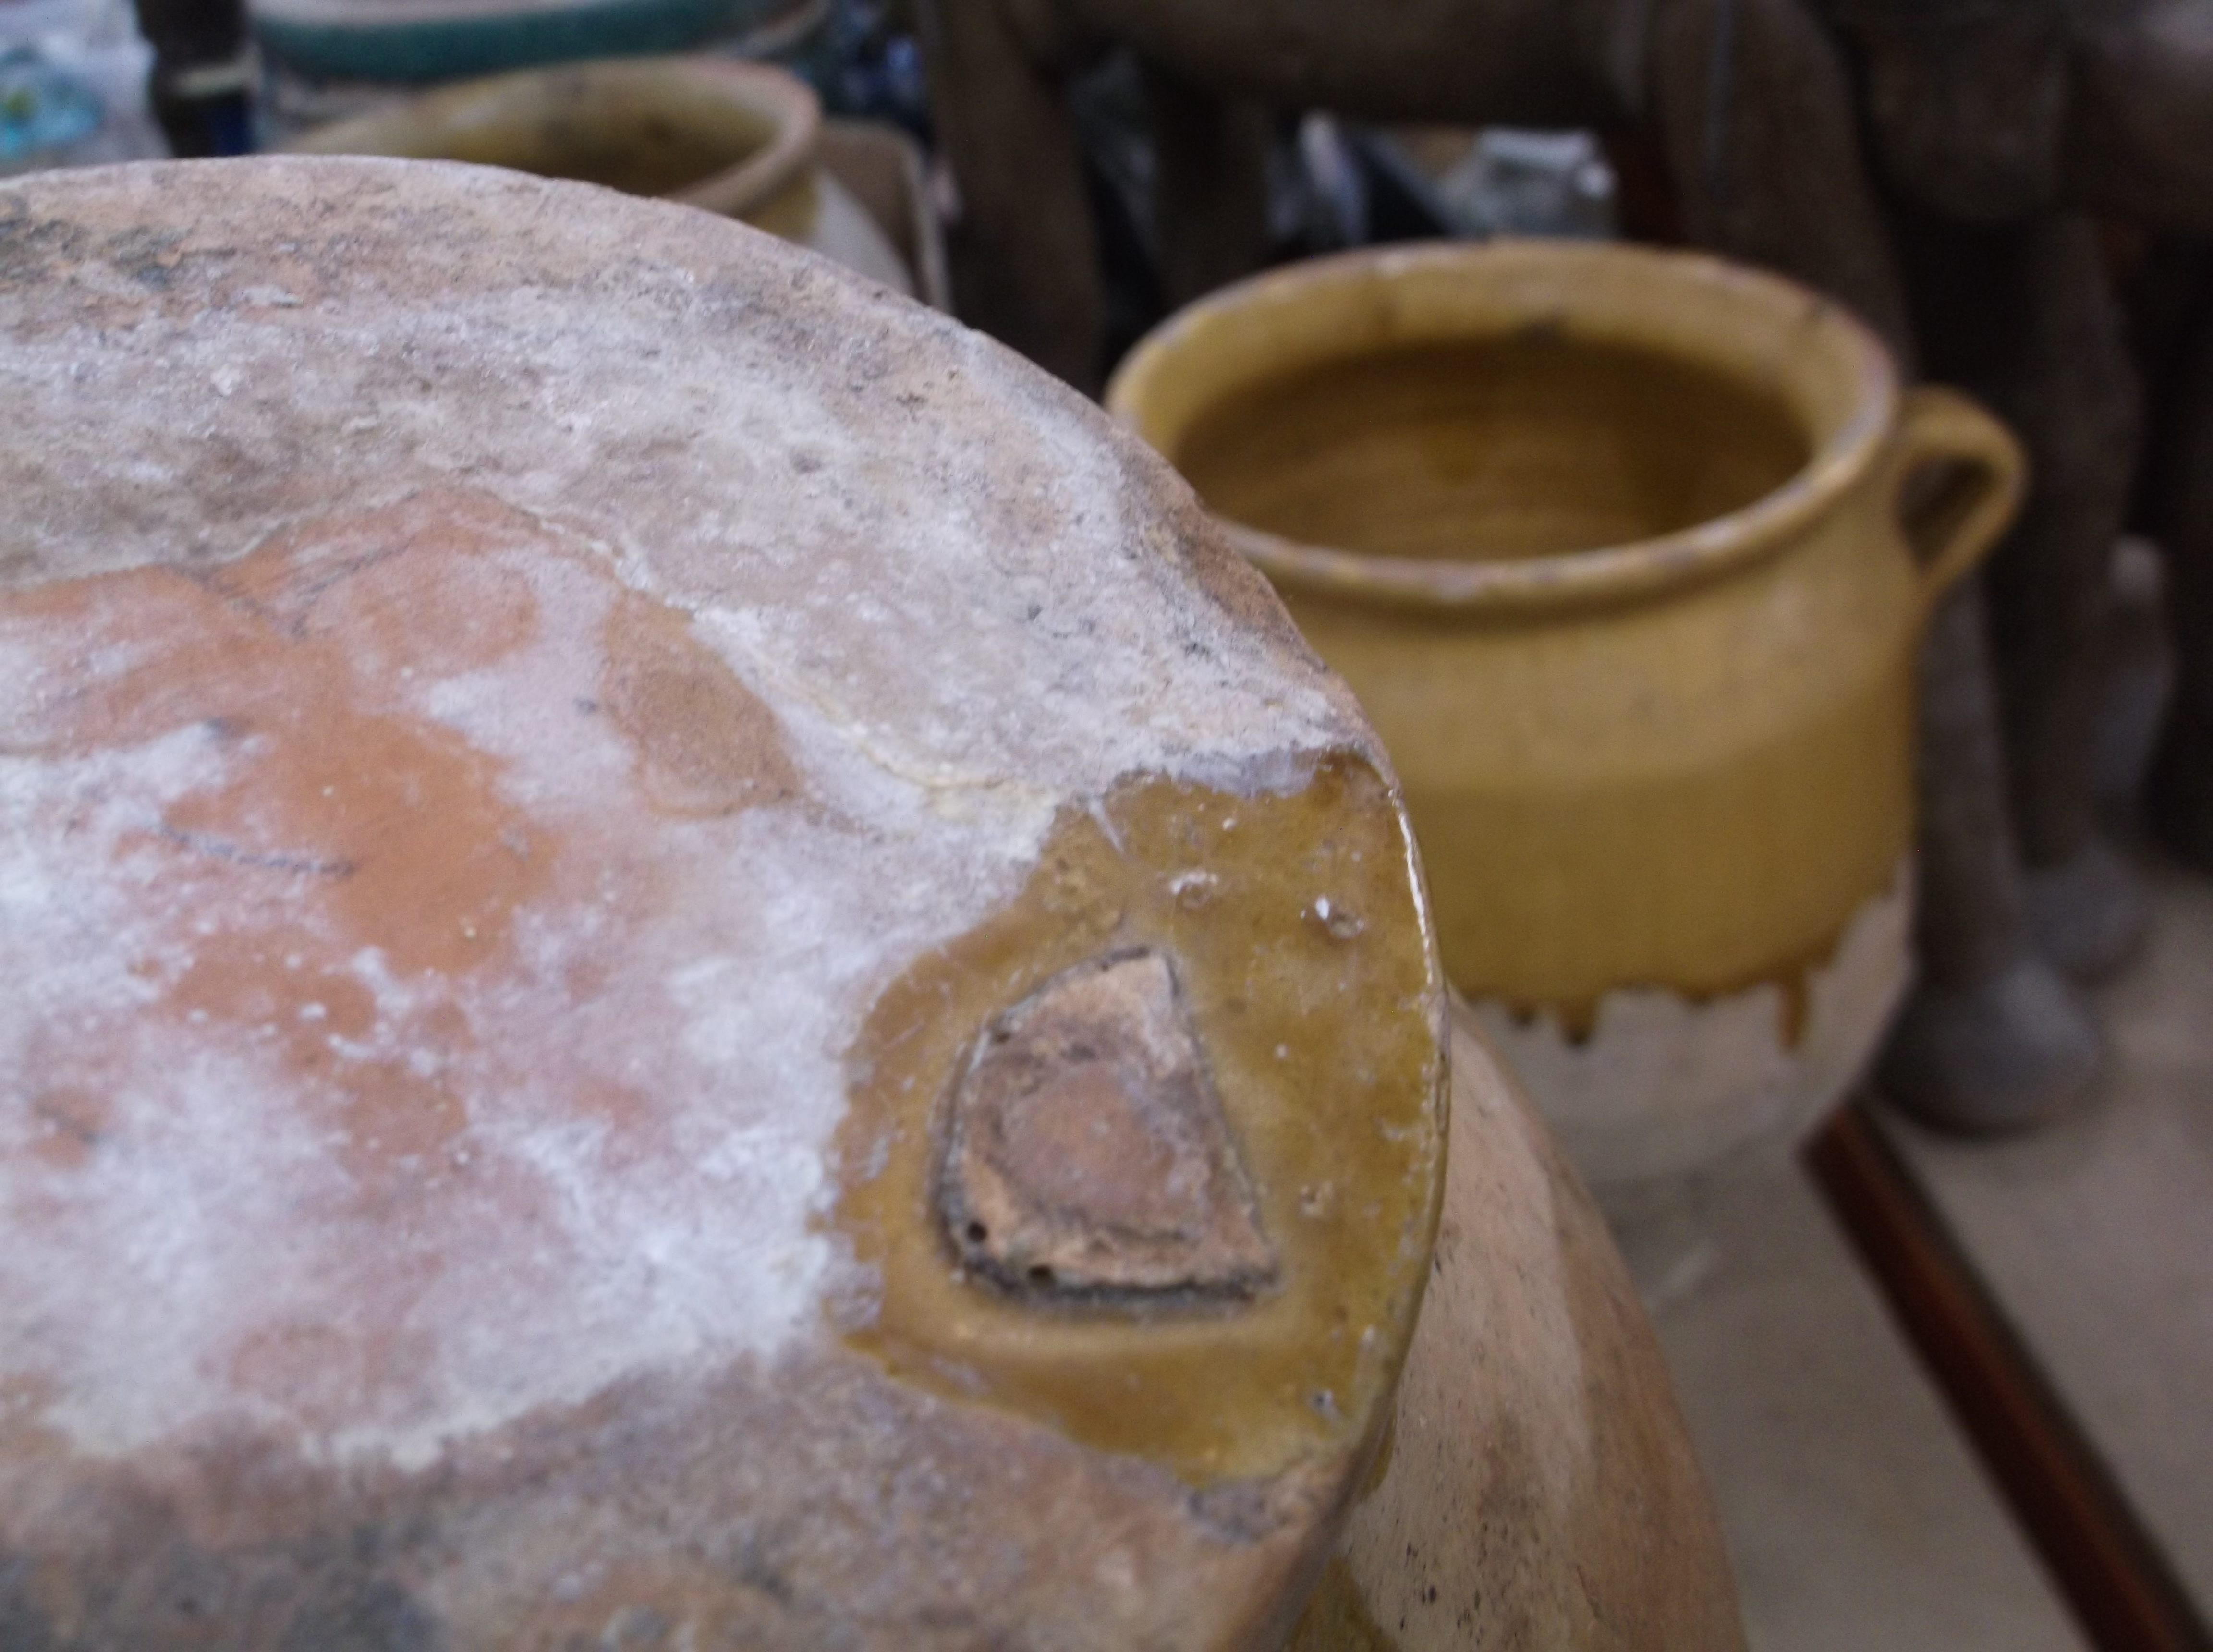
{"x":1757,"y":329}
{"x":424,"y":127}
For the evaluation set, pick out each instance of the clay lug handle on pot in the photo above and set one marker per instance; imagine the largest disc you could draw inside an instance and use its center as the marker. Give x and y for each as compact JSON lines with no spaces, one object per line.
{"x":1961,"y":473}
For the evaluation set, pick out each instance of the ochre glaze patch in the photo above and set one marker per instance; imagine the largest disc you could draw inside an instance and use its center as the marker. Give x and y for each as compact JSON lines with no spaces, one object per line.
{"x":1299,"y":943}
{"x":1337,"y":1618}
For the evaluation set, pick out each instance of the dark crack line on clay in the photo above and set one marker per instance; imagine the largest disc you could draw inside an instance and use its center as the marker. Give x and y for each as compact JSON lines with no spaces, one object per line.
{"x":236,"y":855}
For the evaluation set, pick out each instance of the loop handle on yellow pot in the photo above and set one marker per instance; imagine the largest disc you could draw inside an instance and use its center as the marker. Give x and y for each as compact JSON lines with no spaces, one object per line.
{"x":1958,"y":479}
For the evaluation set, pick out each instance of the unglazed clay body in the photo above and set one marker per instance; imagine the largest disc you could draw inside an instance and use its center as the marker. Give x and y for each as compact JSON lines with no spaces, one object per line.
{"x":1619,"y":551}
{"x":1535,"y":1490}
{"x":695,"y":968}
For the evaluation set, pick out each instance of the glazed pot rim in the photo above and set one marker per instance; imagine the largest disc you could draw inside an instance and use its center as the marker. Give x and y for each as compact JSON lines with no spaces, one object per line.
{"x":787,"y":105}
{"x":1840,"y":457}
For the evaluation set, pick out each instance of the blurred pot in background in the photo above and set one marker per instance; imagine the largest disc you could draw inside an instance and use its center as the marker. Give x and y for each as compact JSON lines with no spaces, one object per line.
{"x":737,"y":138}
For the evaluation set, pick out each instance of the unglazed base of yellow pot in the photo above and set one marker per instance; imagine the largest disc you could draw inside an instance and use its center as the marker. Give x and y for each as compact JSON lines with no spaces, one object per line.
{"x":1667,"y":1092}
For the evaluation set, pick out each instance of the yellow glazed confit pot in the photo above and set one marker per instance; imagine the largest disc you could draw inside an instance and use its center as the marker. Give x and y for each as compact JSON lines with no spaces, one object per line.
{"x":1627,"y":553}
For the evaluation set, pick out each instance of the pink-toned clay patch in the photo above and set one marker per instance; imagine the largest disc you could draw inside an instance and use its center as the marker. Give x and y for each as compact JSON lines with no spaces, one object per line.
{"x":355,"y":1026}
{"x":705,"y":745}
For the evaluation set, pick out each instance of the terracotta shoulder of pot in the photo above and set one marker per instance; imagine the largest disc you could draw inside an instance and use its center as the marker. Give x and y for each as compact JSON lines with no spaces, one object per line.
{"x":1562,"y":1369}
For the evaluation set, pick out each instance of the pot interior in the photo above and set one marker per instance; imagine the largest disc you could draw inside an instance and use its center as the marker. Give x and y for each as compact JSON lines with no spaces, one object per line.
{"x":1531,"y":445}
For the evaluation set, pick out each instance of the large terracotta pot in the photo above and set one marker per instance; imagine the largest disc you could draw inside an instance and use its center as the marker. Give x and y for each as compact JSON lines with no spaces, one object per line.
{"x":694,"y":967}
{"x":731,"y":136}
{"x":1627,"y":554}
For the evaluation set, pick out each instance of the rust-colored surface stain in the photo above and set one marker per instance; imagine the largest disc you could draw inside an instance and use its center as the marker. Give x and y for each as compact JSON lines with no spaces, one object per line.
{"x":1293,"y":927}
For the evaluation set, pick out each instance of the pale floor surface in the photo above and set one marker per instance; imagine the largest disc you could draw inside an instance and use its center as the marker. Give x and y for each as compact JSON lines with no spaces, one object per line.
{"x":1854,"y":1512}
{"x":2095,"y":1235}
